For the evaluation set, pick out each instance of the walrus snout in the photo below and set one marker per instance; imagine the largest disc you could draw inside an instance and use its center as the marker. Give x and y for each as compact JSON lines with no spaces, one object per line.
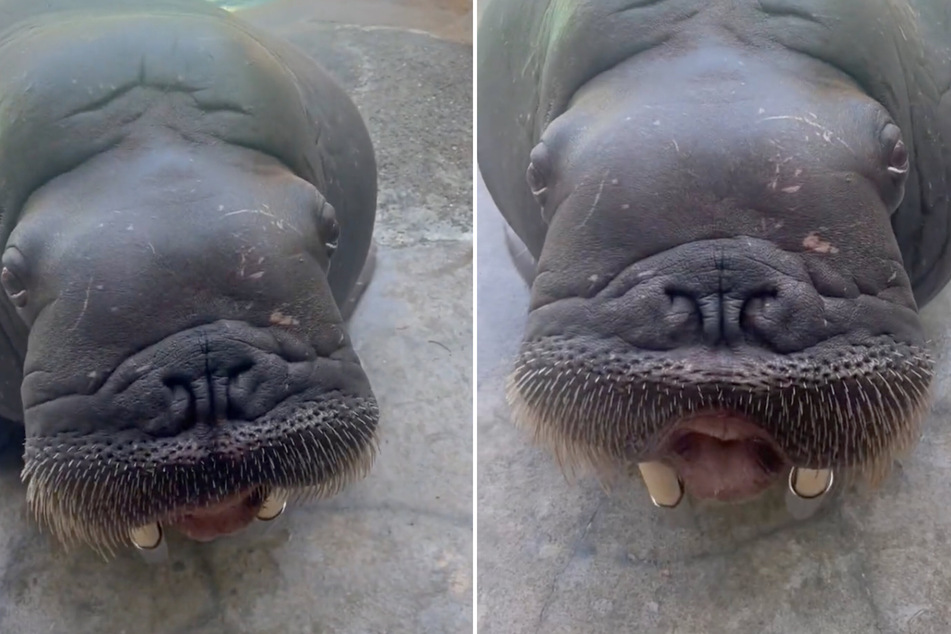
{"x":200,"y":433}
{"x":729,"y":360}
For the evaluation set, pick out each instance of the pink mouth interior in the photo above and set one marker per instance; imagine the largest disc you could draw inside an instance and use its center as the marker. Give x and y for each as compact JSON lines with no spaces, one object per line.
{"x":722,"y":456}
{"x":222,"y":518}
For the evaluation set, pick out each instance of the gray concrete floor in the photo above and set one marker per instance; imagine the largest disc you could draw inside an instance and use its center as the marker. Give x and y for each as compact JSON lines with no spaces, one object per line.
{"x":394,"y":552}
{"x":558,"y":556}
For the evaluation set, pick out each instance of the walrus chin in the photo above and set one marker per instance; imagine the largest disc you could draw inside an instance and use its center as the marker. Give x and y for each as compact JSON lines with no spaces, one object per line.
{"x":726,"y":425}
{"x":98,"y":489}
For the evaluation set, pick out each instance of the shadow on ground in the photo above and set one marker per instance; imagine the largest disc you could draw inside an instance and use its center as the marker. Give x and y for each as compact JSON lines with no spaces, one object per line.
{"x":392,"y":553}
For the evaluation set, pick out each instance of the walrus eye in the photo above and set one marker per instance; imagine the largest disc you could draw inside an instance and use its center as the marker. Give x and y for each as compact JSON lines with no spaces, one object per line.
{"x":898,"y":154}
{"x":332,"y":245}
{"x":537,"y":173}
{"x":12,"y":283}
{"x":329,"y":227}
{"x":536,"y":182}
{"x":14,"y":288}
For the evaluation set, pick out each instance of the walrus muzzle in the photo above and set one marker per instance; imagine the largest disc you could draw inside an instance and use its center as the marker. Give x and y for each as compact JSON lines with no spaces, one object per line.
{"x":237,"y":414}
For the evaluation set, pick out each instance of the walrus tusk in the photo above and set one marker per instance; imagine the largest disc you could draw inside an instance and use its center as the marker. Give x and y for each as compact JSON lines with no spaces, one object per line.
{"x":149,"y":540}
{"x":806,"y":491}
{"x":663,"y":484}
{"x":147,"y":537}
{"x":809,"y":483}
{"x":273,"y":506}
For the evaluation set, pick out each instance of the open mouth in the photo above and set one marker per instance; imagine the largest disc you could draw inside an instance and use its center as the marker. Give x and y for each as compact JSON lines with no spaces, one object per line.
{"x":222,"y":518}
{"x":205,"y":523}
{"x":721,"y":455}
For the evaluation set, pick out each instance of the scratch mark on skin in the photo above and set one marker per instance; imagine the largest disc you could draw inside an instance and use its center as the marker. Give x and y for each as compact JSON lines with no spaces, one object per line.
{"x":151,"y":246}
{"x":597,"y":197}
{"x":778,"y":163}
{"x":827,"y":135}
{"x":261,"y":212}
{"x":278,"y":222}
{"x":85,"y":305}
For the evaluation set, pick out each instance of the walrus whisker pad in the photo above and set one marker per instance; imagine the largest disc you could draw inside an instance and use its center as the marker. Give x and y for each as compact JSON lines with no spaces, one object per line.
{"x":601,"y":405}
{"x":102,"y":490}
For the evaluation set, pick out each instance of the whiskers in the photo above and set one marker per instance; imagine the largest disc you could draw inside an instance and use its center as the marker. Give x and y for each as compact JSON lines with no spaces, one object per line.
{"x":852,"y":407}
{"x":94,"y":489}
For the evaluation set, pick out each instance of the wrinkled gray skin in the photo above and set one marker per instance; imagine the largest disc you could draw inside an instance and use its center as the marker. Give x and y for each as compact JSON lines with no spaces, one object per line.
{"x":187,"y":205}
{"x":731,"y":212}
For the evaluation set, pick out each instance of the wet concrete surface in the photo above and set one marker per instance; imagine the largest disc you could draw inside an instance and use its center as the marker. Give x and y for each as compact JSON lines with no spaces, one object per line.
{"x":566,"y":556}
{"x":393,"y":552}
{"x":446,"y":19}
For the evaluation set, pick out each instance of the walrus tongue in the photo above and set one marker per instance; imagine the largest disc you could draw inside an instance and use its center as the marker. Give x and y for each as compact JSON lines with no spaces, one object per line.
{"x":723,"y":457}
{"x":222,"y":518}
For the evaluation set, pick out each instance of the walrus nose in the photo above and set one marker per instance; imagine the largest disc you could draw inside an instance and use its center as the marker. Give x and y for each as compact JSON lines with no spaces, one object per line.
{"x":213,"y":380}
{"x":725,"y":317}
{"x":217,"y":395}
{"x":727,"y":293}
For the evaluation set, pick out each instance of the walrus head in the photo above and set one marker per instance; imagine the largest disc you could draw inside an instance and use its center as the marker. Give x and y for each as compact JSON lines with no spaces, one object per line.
{"x":185,"y":350}
{"x":167,"y":249}
{"x":720,"y":289}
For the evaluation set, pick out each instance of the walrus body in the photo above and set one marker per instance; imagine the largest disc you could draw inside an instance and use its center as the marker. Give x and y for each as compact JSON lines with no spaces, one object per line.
{"x":733,"y":211}
{"x":187,"y":204}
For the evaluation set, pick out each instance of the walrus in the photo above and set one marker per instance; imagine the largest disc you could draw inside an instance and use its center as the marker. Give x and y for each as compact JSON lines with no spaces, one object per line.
{"x":187,"y":214}
{"x":729,"y":213}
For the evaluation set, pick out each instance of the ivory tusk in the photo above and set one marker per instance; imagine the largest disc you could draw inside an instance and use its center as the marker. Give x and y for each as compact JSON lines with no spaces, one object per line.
{"x":810,"y":483}
{"x":273,"y":506}
{"x":663,"y":484}
{"x":149,"y":540}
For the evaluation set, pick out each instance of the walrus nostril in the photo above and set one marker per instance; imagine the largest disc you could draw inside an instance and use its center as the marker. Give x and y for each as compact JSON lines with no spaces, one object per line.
{"x":755,"y":307}
{"x":182,"y":407}
{"x":222,"y":390}
{"x":241,"y":385}
{"x":721,"y":317}
{"x":683,"y":315}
